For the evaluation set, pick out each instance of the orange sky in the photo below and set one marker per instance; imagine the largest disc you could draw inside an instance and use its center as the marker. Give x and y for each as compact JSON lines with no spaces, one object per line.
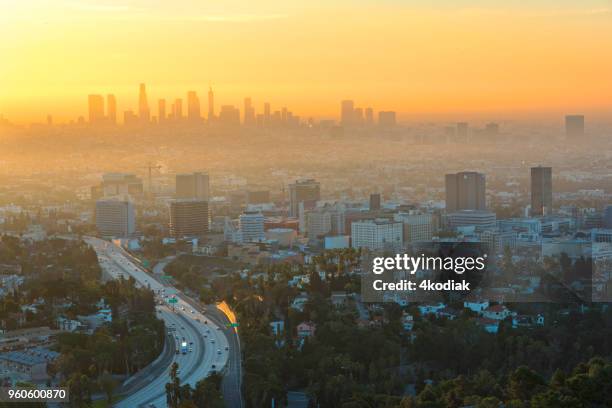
{"x":461,"y":57}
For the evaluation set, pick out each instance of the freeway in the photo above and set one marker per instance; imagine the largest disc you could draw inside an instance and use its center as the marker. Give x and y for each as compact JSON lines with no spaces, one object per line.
{"x":207,"y":347}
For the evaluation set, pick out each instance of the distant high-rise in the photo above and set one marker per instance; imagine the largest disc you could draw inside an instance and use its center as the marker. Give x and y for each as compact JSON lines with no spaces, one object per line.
{"x":374,"y":202}
{"x":177,"y":109}
{"x":492,"y":129}
{"x":193,"y":107}
{"x":96,"y":109}
{"x":111,"y":109}
{"x":307,"y":191}
{"x":189,"y":218}
{"x":115,"y":218}
{"x":252,"y":226}
{"x":541,"y":190}
{"x":347,"y":112}
{"x":267,"y":113}
{"x":369,"y":116}
{"x":386,"y":119}
{"x":229,"y":115}
{"x":574,"y":126}
{"x":249,"y":112}
{"x":161,"y":110}
{"x":143,"y":105}
{"x":607,"y":217}
{"x":465,"y":191}
{"x":195,"y":185}
{"x":211,"y":104}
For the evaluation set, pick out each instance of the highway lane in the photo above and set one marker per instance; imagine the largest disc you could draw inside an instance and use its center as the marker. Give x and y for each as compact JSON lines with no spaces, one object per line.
{"x":210,"y":345}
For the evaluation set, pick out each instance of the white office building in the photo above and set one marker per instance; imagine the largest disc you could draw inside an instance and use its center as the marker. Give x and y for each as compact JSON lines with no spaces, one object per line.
{"x":378,"y":234}
{"x":251,"y":226}
{"x":417,"y":227}
{"x":479,"y":219}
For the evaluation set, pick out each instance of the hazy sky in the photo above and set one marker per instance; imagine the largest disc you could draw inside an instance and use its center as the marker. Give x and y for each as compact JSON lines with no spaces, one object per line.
{"x":410,"y":56}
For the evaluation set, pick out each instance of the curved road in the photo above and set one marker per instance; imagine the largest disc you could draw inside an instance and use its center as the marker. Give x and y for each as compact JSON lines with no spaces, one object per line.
{"x":209,"y":348}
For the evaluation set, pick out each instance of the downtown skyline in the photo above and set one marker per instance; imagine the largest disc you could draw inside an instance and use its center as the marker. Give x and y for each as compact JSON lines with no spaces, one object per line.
{"x":462,"y":58}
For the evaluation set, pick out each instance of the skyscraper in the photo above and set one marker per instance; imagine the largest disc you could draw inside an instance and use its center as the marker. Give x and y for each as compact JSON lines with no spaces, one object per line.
{"x":307,"y":191}
{"x":347,"y":112}
{"x":161,"y":110}
{"x":195,"y":185}
{"x":177,"y":109}
{"x":369,"y":116}
{"x":465,"y":191}
{"x":143,"y":105}
{"x":111,"y":109}
{"x":541,"y":190}
{"x":267,"y":113}
{"x":249,"y":112}
{"x":193,"y":107}
{"x":211,"y":104}
{"x":96,"y":109}
{"x":574,"y":126}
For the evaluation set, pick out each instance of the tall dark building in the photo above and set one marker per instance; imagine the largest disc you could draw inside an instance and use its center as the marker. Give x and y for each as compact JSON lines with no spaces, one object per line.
{"x":347,"y":113}
{"x":307,"y":191}
{"x":374,"y":202}
{"x":465,"y":191}
{"x":189,"y":218}
{"x":195,"y":185}
{"x":574,"y":126}
{"x":143,"y":105}
{"x":541,"y":190}
{"x":211,"y":105}
{"x":161,"y":110}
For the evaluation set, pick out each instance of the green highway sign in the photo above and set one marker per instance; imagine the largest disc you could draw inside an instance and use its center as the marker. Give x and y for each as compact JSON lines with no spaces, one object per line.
{"x":145,"y":263}
{"x":173,"y":300}
{"x":167,"y":277}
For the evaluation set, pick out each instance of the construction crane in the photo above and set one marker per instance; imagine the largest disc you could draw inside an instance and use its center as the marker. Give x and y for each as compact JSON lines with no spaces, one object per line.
{"x":150,"y":167}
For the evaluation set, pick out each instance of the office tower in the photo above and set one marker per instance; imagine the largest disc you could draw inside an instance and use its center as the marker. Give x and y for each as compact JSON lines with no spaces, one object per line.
{"x":211,"y":104}
{"x":115,"y":218}
{"x":465,"y":191}
{"x":161,"y":110}
{"x":347,"y":113}
{"x":251,"y":224}
{"x":111,"y":109}
{"x":96,"y":109}
{"x":267,"y":113}
{"x":121,"y":184}
{"x":195,"y":185}
{"x":416,"y":227}
{"x":229,"y":115}
{"x":574,"y":126}
{"x":369,"y":116}
{"x":306,"y":191}
{"x":143,"y":105}
{"x":463,"y":131}
{"x":607,"y":217}
{"x":177,"y":109}
{"x":284,"y":115}
{"x":189,"y":218}
{"x":318,"y":223}
{"x":541,"y":190}
{"x":374,"y":202}
{"x":358,"y":116}
{"x":378,"y":234}
{"x":249,"y":112}
{"x":193,"y":106}
{"x":479,"y":219}
{"x":386,"y":119}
